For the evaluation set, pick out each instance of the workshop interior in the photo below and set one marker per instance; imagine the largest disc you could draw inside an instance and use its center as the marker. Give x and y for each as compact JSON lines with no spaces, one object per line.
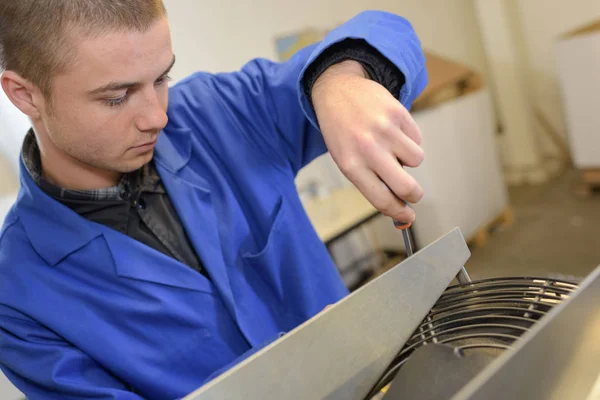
{"x":493,"y":292}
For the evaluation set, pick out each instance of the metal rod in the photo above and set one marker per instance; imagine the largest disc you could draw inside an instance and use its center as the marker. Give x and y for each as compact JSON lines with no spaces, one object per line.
{"x":407,"y":242}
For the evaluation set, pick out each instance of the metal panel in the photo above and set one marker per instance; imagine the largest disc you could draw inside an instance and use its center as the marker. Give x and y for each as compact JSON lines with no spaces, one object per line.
{"x":558,"y":359}
{"x":340,"y":353}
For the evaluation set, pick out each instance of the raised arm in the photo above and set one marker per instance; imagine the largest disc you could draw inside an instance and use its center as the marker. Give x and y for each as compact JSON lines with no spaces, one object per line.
{"x":292,"y":112}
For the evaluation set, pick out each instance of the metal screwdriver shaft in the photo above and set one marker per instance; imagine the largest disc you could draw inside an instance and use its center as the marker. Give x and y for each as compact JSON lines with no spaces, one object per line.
{"x":462,"y":277}
{"x":407,"y":243}
{"x":405,"y":235}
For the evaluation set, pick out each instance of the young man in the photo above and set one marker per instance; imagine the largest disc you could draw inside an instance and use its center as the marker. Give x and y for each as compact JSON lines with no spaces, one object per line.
{"x":154,"y":243}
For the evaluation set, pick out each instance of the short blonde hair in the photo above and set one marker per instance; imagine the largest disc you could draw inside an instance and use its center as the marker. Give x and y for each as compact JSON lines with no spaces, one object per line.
{"x":34,"y":33}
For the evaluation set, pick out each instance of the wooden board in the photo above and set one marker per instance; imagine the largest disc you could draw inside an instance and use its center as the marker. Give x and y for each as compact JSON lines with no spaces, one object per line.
{"x":447,"y":80}
{"x":502,"y":220}
{"x":590,"y":182}
{"x":592,"y":27}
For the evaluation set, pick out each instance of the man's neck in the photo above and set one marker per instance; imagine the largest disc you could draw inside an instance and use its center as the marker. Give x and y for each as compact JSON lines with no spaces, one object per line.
{"x":80,"y":177}
{"x":66,"y":172}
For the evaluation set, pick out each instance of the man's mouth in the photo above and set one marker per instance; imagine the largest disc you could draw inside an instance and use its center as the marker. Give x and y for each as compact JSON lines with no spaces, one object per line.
{"x":146,"y":146}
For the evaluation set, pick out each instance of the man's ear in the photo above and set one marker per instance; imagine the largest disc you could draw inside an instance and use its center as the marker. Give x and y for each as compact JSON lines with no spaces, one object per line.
{"x":21,"y":93}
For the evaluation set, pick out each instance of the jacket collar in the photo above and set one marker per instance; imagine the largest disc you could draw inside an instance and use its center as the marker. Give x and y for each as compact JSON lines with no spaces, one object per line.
{"x":55,"y":231}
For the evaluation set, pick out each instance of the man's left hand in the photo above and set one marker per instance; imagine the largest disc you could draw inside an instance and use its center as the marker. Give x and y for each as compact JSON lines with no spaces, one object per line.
{"x":370,"y":135}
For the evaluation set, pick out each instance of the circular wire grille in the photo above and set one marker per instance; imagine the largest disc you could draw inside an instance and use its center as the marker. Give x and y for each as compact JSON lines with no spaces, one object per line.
{"x":486,"y":315}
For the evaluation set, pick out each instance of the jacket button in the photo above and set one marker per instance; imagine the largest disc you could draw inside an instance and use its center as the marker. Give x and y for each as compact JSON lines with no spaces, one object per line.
{"x":141,"y":204}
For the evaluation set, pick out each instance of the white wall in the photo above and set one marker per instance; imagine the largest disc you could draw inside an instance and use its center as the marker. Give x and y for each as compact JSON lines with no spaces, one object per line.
{"x":13,"y":127}
{"x":221,"y":35}
{"x":542,"y":22}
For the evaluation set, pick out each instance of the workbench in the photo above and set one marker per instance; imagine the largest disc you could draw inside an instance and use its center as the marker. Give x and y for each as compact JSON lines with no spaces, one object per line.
{"x":339,"y":213}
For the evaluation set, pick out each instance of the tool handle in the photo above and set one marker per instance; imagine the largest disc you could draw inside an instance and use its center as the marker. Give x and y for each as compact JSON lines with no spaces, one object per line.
{"x":402,"y":225}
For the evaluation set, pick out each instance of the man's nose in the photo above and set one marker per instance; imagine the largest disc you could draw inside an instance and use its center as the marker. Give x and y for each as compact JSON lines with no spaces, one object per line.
{"x":153,"y":117}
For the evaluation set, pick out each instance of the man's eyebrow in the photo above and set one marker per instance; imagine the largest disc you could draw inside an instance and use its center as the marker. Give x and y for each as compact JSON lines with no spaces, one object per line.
{"x":115,"y":86}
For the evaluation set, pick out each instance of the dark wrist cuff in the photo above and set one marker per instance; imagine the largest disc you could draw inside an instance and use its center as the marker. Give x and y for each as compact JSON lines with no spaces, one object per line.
{"x":378,"y":67}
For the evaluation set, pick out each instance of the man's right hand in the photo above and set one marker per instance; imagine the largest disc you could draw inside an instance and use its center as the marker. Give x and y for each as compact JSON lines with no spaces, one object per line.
{"x":370,"y":136}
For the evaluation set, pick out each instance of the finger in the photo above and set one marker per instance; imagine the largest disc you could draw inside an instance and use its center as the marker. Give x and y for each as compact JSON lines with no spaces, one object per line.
{"x":378,"y":194}
{"x":407,"y":124}
{"x":399,"y":181}
{"x":406,"y":150}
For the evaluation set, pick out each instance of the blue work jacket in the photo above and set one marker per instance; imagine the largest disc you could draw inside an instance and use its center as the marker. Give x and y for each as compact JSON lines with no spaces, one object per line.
{"x":89,"y":313}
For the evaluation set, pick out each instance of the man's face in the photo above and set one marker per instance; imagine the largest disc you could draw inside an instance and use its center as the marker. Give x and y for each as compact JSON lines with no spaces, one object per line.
{"x":110,"y":105}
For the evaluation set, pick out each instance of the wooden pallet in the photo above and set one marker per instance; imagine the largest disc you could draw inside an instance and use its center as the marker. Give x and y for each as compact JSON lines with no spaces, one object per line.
{"x":590,"y":182}
{"x":502,"y":220}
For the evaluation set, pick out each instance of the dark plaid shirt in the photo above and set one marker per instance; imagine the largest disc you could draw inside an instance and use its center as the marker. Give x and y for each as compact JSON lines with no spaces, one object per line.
{"x":138,"y":206}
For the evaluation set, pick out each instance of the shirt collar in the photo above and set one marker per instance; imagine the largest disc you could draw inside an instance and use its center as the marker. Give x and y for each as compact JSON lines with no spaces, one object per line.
{"x":55,"y":231}
{"x":143,"y":179}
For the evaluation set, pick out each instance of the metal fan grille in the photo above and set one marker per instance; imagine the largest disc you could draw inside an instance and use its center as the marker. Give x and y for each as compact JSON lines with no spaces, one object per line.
{"x":486,"y":315}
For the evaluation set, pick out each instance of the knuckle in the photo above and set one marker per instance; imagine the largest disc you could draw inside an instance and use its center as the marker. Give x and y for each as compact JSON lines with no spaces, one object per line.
{"x":400,"y":114}
{"x":388,"y":207}
{"x":382,"y":124}
{"x":408,"y":120}
{"x":407,"y":123}
{"x":366,"y":143}
{"x":348,"y":165}
{"x":414,"y":158}
{"x":408,"y":188}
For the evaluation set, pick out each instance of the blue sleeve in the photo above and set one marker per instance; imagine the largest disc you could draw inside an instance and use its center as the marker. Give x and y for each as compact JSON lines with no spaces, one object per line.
{"x":393,"y":36}
{"x":44,"y":367}
{"x":268,"y":101}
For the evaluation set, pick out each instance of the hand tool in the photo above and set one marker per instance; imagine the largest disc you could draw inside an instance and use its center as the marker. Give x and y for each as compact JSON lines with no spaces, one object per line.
{"x":462,"y":277}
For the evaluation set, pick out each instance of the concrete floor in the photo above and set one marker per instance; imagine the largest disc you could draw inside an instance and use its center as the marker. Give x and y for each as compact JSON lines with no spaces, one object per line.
{"x":555,"y":234}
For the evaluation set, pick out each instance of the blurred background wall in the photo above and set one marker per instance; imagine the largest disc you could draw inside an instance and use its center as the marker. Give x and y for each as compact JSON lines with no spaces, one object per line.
{"x":541,"y":22}
{"x":228,"y":33}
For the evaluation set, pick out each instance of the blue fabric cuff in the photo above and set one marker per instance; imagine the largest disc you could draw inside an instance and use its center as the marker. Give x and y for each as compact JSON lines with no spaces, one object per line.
{"x":391,"y":35}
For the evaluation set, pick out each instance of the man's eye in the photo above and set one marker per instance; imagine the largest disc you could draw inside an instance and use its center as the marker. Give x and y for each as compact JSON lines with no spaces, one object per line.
{"x":162,"y":80}
{"x":117,"y":102}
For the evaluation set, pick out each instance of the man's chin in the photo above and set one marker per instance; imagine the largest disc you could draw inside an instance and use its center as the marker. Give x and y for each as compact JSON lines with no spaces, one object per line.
{"x":138,"y":162}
